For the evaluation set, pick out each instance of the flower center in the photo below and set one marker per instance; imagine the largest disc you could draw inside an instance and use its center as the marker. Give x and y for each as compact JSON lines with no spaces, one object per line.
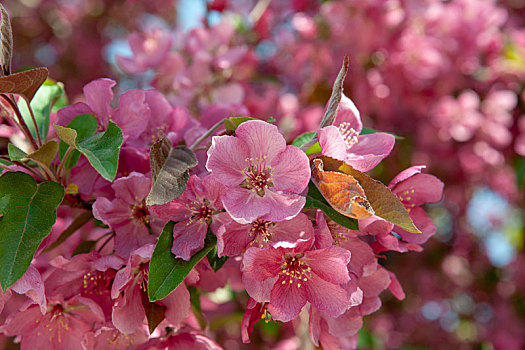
{"x":294,"y":270}
{"x":200,"y":211}
{"x":349,"y":134}
{"x":54,"y":323}
{"x":258,"y":175}
{"x":140,"y":213}
{"x":260,"y":230}
{"x":141,"y":277}
{"x":97,"y":282}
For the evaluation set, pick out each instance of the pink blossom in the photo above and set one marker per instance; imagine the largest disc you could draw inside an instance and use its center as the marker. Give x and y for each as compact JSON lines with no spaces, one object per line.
{"x":149,"y":49}
{"x":130,"y":289}
{"x":233,"y":237}
{"x":287,"y":275}
{"x":88,"y":275}
{"x":61,"y":327}
{"x":109,"y":337}
{"x":128,"y":215}
{"x":342,"y":140}
{"x":194,"y":212}
{"x":263,"y":175}
{"x":98,"y":95}
{"x":415,"y":189}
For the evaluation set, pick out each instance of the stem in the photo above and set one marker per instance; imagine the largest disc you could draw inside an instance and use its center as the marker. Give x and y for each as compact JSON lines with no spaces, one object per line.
{"x":39,"y":175}
{"x":21,"y":121}
{"x":106,"y":242}
{"x":39,"y":139}
{"x":258,"y":10}
{"x":5,"y":167}
{"x":206,"y":135}
{"x":64,"y":160}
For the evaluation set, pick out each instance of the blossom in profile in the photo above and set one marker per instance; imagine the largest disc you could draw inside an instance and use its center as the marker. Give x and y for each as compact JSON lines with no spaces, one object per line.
{"x":343,"y":141}
{"x":415,"y":189}
{"x":287,"y":275}
{"x":194,"y":212}
{"x":264,"y":176}
{"x":130,"y":288}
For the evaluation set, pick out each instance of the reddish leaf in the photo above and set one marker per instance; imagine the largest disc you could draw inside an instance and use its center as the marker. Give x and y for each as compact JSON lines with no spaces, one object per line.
{"x":25,"y":83}
{"x":384,"y":203}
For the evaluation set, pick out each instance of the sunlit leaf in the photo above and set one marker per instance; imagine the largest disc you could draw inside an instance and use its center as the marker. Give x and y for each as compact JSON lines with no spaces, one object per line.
{"x":385,"y":204}
{"x":315,"y":199}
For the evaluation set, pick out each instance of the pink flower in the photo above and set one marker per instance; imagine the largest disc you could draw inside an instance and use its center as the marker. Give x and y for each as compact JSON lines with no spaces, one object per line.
{"x":129,"y":289}
{"x":98,"y":95}
{"x":342,"y":140}
{"x":415,"y":189}
{"x":194,"y":210}
{"x":62,"y":327}
{"x":88,"y":275}
{"x":149,"y":50}
{"x":264,"y":176}
{"x":287,"y":275}
{"x":233,"y":237}
{"x":128,"y":215}
{"x":109,"y":337}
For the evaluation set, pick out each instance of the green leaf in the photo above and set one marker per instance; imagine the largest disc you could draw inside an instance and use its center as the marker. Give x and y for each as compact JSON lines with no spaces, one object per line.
{"x":520,"y":171}
{"x":27,"y":213}
{"x":85,"y":125}
{"x":314,"y":199}
{"x":303,"y":138}
{"x":41,"y":105}
{"x":313,"y":149}
{"x":15,"y":153}
{"x":155,"y":313}
{"x":232,"y":123}
{"x":84,"y":247}
{"x":45,"y":154}
{"x":214,"y":260}
{"x":195,"y":302}
{"x":101,"y":150}
{"x":166,"y":272}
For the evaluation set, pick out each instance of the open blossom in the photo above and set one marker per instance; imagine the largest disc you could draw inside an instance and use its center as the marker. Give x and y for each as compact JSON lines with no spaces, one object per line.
{"x":128,"y":215}
{"x":62,"y":326}
{"x":263,"y":175}
{"x":233,"y":237}
{"x":287,"y":275}
{"x":194,"y":212}
{"x":343,"y":142}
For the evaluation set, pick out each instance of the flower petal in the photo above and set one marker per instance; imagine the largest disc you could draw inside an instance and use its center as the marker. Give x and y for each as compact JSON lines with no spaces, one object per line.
{"x":370,"y":150}
{"x":227,"y":159}
{"x":282,"y":206}
{"x":332,"y":142}
{"x":328,"y":297}
{"x":291,"y":170}
{"x":263,"y":139}
{"x":188,"y":239}
{"x":286,"y":300}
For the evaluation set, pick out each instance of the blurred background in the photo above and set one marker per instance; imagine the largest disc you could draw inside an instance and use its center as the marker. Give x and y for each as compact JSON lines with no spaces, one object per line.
{"x":448,"y":77}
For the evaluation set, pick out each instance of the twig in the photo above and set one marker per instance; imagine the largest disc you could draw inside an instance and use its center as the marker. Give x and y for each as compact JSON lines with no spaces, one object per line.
{"x":206,"y":135}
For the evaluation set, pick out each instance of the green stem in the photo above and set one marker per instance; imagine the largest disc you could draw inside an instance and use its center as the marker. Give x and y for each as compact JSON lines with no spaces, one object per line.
{"x":206,"y":135}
